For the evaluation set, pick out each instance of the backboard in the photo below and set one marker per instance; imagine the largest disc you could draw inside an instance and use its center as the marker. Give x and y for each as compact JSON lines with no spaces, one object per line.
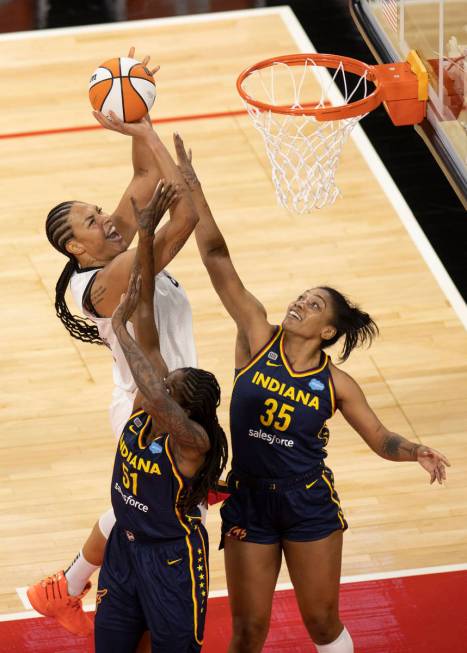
{"x":437,"y":30}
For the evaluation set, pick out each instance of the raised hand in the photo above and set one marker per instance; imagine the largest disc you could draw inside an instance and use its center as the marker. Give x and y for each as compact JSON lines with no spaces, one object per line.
{"x":139,"y":129}
{"x":184,"y":163}
{"x":145,"y":61}
{"x":434,"y":462}
{"x":148,"y":218}
{"x":128,"y":301}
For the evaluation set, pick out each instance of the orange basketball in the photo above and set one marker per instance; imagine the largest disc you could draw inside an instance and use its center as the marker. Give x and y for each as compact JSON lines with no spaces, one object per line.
{"x":123,"y":86}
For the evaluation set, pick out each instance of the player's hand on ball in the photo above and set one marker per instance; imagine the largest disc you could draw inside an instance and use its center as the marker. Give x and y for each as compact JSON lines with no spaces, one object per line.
{"x":145,"y":61}
{"x":139,"y":129}
{"x":434,"y":462}
{"x":128,"y":301}
{"x":148,"y":218}
{"x":184,"y":163}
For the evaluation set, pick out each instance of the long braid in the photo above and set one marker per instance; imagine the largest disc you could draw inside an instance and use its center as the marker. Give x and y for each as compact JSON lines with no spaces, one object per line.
{"x":59,"y":232}
{"x":201,"y":394}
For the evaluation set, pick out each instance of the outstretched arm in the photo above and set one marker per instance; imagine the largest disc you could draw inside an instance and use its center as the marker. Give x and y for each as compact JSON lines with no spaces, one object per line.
{"x":353,"y":405}
{"x":143,"y":318}
{"x":169,"y":415}
{"x":247,"y":312}
{"x":112,"y":280}
{"x":146,"y":174}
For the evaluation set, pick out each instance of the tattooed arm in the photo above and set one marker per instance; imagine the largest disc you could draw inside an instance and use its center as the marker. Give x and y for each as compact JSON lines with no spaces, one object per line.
{"x":353,"y":405}
{"x":143,"y":317}
{"x":150,"y":382}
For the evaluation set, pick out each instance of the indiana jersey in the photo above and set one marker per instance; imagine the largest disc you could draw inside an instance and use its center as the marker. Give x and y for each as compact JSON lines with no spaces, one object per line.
{"x":146,"y":484}
{"x":278,"y":416}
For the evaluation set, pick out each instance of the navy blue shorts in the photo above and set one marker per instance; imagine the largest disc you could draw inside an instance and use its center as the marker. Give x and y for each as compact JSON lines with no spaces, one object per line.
{"x":266,"y":511}
{"x":157,"y":586}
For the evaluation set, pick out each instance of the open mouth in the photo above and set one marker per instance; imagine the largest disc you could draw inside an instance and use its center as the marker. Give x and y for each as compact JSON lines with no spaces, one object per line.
{"x":293,"y":314}
{"x":113,"y":234}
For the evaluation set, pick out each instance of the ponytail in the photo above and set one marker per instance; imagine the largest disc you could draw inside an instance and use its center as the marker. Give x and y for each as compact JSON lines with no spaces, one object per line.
{"x":59,"y":232}
{"x":201,"y":396}
{"x":355,"y":325}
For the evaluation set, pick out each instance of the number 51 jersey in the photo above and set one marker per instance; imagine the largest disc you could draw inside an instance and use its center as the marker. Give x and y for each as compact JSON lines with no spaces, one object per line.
{"x":146,"y":484}
{"x":278,"y":416}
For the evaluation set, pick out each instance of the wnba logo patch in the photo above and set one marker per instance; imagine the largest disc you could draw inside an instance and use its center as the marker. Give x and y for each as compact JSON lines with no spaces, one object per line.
{"x":155,"y":447}
{"x":237,"y":533}
{"x":100,"y":595}
{"x":316,"y":384}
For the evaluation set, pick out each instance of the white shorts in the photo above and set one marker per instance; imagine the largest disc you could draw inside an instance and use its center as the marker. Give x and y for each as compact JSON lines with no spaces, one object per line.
{"x":120,"y":409}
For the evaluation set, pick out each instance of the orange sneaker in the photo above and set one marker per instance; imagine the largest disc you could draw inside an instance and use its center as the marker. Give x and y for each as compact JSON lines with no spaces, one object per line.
{"x":50,"y":597}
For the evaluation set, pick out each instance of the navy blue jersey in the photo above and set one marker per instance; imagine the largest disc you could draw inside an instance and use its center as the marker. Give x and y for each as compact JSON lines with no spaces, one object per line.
{"x":278,"y":416}
{"x":146,"y":484}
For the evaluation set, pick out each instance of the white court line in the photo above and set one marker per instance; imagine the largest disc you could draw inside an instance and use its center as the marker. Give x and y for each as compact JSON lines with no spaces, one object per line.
{"x":360,"y":578}
{"x":387,"y":184}
{"x":359,"y":137}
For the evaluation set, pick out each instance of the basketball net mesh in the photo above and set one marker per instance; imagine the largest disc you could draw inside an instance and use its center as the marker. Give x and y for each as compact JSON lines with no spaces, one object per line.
{"x":304,"y":152}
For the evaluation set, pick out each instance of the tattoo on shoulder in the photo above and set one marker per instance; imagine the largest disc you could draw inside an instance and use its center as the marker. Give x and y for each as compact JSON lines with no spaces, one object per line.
{"x":97,"y":295}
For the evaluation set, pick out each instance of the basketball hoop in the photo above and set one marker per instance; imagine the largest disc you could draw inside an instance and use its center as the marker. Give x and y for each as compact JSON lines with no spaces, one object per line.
{"x":293,"y":101}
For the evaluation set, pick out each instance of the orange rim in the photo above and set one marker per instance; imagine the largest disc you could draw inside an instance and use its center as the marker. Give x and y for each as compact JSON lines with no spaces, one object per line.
{"x":351,"y":110}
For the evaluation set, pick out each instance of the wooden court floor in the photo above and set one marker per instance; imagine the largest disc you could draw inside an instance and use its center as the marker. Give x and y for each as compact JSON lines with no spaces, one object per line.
{"x":56,"y":444}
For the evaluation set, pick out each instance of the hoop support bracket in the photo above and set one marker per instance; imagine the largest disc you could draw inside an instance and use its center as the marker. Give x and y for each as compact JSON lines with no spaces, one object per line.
{"x":403,"y":89}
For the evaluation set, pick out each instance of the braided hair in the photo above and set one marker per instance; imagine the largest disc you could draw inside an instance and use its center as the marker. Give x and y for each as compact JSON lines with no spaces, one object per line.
{"x":356,"y":325}
{"x":201,"y":395}
{"x":59,"y":232}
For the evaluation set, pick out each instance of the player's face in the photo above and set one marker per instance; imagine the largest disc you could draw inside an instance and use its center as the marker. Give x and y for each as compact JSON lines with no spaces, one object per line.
{"x":174,"y":384}
{"x":310,"y":315}
{"x":94,"y":233}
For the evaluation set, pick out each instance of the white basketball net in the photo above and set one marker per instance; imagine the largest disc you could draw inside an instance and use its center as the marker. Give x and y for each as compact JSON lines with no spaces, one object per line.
{"x":303,"y":151}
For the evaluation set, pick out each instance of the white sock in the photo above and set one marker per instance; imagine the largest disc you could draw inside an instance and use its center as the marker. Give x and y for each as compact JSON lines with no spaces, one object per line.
{"x":343,"y":644}
{"x":78,"y":574}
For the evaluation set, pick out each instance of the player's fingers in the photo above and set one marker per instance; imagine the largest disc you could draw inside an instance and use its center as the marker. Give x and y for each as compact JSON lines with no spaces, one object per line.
{"x":157,"y":193}
{"x":131,"y":52}
{"x":179,"y":146}
{"x":115,"y":120}
{"x":101,"y":118}
{"x":154,"y":70}
{"x":443,"y":472}
{"x":146,"y":60}
{"x":177,"y":143}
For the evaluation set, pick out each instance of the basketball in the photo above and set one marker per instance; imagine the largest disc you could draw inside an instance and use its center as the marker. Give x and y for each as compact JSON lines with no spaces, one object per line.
{"x":124,"y":86}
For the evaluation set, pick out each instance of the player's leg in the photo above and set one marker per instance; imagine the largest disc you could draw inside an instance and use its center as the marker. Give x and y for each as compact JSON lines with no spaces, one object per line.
{"x":60,"y":596}
{"x":252,"y":571}
{"x":119,"y":622}
{"x":315,"y":569}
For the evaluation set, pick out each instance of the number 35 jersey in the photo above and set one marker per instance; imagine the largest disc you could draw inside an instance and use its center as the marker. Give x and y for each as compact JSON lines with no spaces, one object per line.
{"x":146,"y":484}
{"x":278,"y":416}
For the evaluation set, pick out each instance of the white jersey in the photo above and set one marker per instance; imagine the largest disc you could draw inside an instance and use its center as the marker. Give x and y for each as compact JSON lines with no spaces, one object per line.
{"x":175,"y":326}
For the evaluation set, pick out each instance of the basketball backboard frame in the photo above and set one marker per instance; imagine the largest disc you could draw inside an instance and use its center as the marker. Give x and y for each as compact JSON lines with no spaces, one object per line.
{"x":390,"y":30}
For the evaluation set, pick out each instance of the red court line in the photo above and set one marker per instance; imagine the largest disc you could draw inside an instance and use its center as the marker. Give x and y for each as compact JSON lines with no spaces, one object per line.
{"x":413,"y":614}
{"x":88,"y":128}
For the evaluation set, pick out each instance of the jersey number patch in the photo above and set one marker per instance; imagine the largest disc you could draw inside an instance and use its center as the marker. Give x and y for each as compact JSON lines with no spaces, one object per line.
{"x":129,"y":479}
{"x":279,"y":415}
